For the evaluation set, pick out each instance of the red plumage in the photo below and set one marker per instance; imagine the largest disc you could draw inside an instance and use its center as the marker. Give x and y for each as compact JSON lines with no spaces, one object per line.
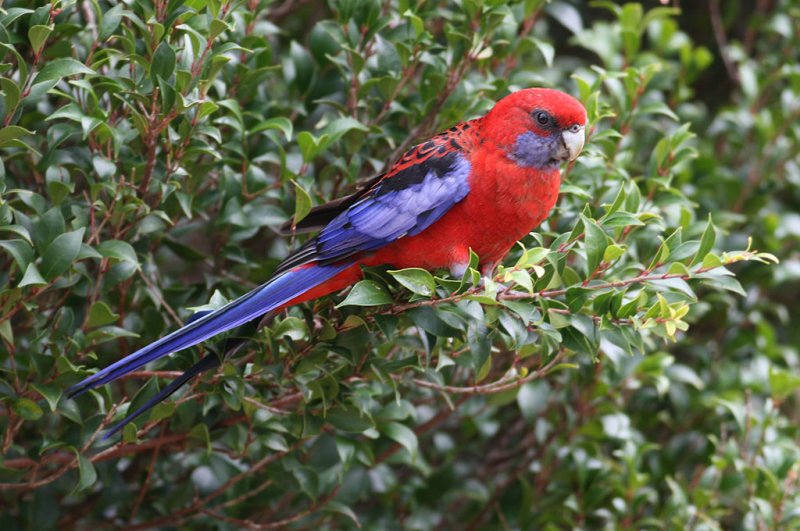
{"x":506,"y":200}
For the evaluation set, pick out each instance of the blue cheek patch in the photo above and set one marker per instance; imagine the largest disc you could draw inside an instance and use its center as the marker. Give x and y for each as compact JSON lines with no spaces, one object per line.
{"x":534,"y":151}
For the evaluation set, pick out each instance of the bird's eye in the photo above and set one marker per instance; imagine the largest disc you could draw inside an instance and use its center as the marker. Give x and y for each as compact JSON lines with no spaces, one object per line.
{"x":542,"y":118}
{"x":575,"y":128}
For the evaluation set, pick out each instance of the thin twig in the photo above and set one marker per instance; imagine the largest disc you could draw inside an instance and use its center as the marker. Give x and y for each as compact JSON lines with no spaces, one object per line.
{"x":722,"y":40}
{"x":495,"y":387}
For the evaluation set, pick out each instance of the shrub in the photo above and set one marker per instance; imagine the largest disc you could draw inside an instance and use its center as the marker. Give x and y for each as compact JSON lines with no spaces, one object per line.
{"x":614,"y":372}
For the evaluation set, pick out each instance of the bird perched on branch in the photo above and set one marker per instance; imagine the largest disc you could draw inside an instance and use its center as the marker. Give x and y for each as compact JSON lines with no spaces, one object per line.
{"x":480,"y":185}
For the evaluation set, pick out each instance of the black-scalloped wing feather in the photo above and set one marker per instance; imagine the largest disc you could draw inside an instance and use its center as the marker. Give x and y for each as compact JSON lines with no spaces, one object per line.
{"x":419,"y":189}
{"x":455,"y":139}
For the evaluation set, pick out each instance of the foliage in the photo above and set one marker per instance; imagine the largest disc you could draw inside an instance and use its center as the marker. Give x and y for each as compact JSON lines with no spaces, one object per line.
{"x":613,"y":372}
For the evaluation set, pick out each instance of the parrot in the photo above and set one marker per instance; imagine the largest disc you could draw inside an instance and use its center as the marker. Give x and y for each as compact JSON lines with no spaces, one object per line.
{"x":481,"y":185}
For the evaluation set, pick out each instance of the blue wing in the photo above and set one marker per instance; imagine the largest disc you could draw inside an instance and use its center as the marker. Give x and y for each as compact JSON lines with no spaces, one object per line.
{"x":403,"y":203}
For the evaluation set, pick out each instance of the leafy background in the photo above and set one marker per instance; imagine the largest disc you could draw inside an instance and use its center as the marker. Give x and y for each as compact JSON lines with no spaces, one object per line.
{"x":612,"y":374}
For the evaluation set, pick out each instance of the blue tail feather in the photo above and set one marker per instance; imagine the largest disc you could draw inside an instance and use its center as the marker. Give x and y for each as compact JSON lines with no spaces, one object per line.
{"x":210,"y":361}
{"x":196,"y":316}
{"x":261,"y":300}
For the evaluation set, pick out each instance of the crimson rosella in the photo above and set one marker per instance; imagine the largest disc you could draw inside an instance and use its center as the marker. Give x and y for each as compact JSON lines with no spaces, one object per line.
{"x":480,"y":185}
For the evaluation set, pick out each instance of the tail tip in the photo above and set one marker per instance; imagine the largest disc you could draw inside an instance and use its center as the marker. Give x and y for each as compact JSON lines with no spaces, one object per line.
{"x":77,"y":389}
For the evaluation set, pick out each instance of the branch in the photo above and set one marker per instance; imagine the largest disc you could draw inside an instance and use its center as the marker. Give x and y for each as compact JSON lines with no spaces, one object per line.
{"x":250,"y":524}
{"x":182,"y":515}
{"x":504,"y":384}
{"x":722,"y":40}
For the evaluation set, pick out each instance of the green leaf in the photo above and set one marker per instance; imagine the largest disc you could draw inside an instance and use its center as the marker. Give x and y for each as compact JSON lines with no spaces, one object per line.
{"x":532,"y":257}
{"x":726,"y":283}
{"x":558,"y":320}
{"x":161,"y":411}
{"x":167,"y":93}
{"x":11,"y":94}
{"x":596,"y":243}
{"x":302,"y":203}
{"x":349,"y":419}
{"x":20,"y":250}
{"x":108,"y":333}
{"x":6,"y":332}
{"x":100,"y":314}
{"x":118,"y":250}
{"x":310,"y":146}
{"x":566,"y":15}
{"x":280,"y":123}
{"x":711,"y":261}
{"x":783,"y":383}
{"x":207,"y":108}
{"x":613,"y":252}
{"x":522,"y":279}
{"x":527,"y":311}
{"x":12,"y":14}
{"x":105,"y":168}
{"x":416,"y":22}
{"x":706,"y":242}
{"x":403,"y":435}
{"x":302,"y":66}
{"x":341,"y":126}
{"x":200,"y":434}
{"x":163,"y":64}
{"x":60,"y":254}
{"x":216,"y":27}
{"x":12,"y":132}
{"x":275,"y":441}
{"x":51,"y":393}
{"x":661,"y":256}
{"x":308,"y":479}
{"x":366,"y":293}
{"x":110,"y":22}
{"x":60,"y":68}
{"x":340,"y":508}
{"x":416,"y":280}
{"x":23,"y":67}
{"x":429,"y":320}
{"x":547,"y":50}
{"x":32,"y":277}
{"x":27,"y":409}
{"x":622,"y":219}
{"x":87,"y":473}
{"x":658,"y":107}
{"x":38,"y":36}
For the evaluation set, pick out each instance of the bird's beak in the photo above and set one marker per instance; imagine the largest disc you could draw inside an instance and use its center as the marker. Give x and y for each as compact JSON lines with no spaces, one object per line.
{"x":573,"y":142}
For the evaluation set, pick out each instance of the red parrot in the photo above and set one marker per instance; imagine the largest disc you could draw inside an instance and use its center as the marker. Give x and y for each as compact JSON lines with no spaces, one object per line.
{"x":482,"y":184}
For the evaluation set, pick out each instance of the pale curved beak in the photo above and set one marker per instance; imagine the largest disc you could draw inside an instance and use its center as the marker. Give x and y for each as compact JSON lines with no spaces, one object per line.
{"x":573,"y":142}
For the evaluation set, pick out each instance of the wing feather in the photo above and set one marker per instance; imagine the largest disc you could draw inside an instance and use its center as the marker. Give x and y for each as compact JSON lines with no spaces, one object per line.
{"x":385,"y":215}
{"x":458,"y":138}
{"x":418,"y":190}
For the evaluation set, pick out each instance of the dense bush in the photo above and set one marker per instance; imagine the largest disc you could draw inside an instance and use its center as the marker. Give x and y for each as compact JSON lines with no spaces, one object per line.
{"x":613,"y":373}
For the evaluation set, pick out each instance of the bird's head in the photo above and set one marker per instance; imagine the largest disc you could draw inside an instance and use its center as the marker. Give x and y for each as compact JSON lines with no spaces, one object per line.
{"x":537,"y":128}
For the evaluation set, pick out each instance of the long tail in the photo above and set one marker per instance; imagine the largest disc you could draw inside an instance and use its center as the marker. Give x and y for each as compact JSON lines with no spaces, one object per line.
{"x":275,"y":293}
